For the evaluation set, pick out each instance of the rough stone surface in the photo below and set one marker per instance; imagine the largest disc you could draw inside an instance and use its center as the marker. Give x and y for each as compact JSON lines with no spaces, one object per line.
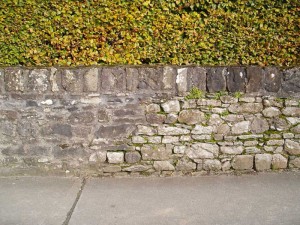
{"x":137,"y":168}
{"x":181,"y":81}
{"x":179,"y":149}
{"x":185,"y":165}
{"x":236,"y":78}
{"x":231,"y":150}
{"x":291,"y":111}
{"x":91,"y":80}
{"x":113,"y":79}
{"x":246,"y":108}
{"x":279,"y":162}
{"x":271,"y":112}
{"x":199,"y":129}
{"x":241,"y":127}
{"x":272,"y":79}
{"x":263,"y":162}
{"x":196,"y":78}
{"x":155,"y":152}
{"x":291,"y":80}
{"x":115,"y":157}
{"x":243,"y":162}
{"x":163,"y":166}
{"x":203,"y":151}
{"x":72,"y":81}
{"x":296,"y":129}
{"x":212,"y":165}
{"x":132,"y":157}
{"x":171,"y":106}
{"x":166,"y":130}
{"x":292,"y":147}
{"x":216,"y":79}
{"x":259,"y":125}
{"x":191,"y":116}
{"x":295,"y":163}
{"x":255,"y":79}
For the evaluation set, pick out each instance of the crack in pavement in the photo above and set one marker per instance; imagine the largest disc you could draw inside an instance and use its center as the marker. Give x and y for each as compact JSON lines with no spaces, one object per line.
{"x":69,"y":214}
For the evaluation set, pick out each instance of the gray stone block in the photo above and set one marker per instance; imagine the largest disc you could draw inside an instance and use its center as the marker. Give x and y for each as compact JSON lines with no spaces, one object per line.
{"x":263,"y":162}
{"x":212,"y":165}
{"x":91,"y":80}
{"x":169,"y":78}
{"x":292,"y":147}
{"x":203,"y":151}
{"x":196,"y":77}
{"x":155,"y":152}
{"x":236,"y":79}
{"x":272,"y":79}
{"x":181,"y":81}
{"x":291,"y":80}
{"x":115,"y":157}
{"x":132,"y":157}
{"x":38,"y":80}
{"x":150,"y":78}
{"x":216,"y":79}
{"x":113,"y":80}
{"x":279,"y":162}
{"x":15,"y":79}
{"x":72,"y":80}
{"x":114,"y":132}
{"x":191,"y":116}
{"x":255,"y":77}
{"x":163,"y":166}
{"x":243,"y":162}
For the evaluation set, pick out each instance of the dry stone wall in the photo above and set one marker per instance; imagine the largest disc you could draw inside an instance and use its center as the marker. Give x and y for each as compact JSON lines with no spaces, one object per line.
{"x":161,"y":121}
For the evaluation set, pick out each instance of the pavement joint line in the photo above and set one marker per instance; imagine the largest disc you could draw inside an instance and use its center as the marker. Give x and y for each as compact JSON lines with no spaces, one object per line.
{"x":69,"y":214}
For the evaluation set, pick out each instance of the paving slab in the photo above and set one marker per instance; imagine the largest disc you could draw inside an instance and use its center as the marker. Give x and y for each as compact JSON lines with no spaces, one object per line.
{"x":264,"y":199}
{"x":36,"y":200}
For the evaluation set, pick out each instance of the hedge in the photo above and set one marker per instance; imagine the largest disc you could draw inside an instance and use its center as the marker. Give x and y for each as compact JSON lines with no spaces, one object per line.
{"x":205,"y":32}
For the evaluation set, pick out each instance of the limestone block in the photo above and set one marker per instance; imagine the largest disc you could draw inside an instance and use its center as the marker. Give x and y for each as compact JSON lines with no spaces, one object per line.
{"x":259,"y":125}
{"x":255,"y":79}
{"x":263,"y":162}
{"x":171,"y":106}
{"x":196,"y":78}
{"x":279,"y":162}
{"x":185,"y":165}
{"x":231,"y":150}
{"x":191,"y":116}
{"x":292,"y":147}
{"x":241,"y":127}
{"x":168,"y":130}
{"x":203,"y":151}
{"x":291,"y":80}
{"x":271,"y":112}
{"x":199,"y":129}
{"x":180,"y":149}
{"x":236,"y":79}
{"x":155,"y":152}
{"x":291,"y":111}
{"x":216,"y":79}
{"x":163,"y":166}
{"x":212,"y":165}
{"x":132,"y":157}
{"x":115,"y":157}
{"x":91,"y":80}
{"x":243,"y":162}
{"x":272,"y":79}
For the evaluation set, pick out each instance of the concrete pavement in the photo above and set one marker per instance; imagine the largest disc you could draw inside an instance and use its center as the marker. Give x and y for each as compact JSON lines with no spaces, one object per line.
{"x":270,"y":198}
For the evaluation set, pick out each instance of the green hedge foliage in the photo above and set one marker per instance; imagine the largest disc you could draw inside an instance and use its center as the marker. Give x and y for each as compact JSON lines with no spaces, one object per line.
{"x":205,"y":32}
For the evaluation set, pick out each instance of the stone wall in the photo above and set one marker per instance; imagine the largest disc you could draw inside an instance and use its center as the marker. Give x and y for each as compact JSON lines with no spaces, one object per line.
{"x":168,"y":120}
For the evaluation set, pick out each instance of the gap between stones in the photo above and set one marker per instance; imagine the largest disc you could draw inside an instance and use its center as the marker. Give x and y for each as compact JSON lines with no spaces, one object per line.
{"x":69,"y":214}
